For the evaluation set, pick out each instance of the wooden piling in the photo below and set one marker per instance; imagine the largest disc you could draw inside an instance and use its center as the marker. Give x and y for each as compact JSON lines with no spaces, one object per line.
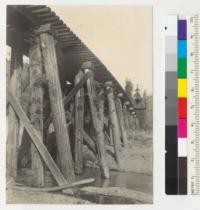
{"x":35,"y":137}
{"x":97,"y":119}
{"x":57,"y":107}
{"x":79,"y":123}
{"x":36,"y":110}
{"x":111,"y":134}
{"x":125,"y":117}
{"x":114,"y":122}
{"x":100,"y":137}
{"x":121,"y":121}
{"x":13,"y":122}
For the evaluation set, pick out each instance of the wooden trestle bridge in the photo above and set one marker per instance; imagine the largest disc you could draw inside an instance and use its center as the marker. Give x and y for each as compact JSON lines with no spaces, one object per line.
{"x":94,"y":105}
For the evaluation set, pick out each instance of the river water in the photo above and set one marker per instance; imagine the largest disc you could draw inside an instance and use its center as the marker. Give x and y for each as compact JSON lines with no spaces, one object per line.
{"x":130,"y":180}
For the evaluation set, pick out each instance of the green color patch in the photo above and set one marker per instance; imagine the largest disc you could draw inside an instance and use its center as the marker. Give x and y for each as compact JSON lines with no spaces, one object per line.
{"x":182,"y":68}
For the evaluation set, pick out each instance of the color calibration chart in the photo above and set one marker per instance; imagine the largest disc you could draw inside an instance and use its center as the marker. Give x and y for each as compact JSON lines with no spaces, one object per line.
{"x":182,"y":108}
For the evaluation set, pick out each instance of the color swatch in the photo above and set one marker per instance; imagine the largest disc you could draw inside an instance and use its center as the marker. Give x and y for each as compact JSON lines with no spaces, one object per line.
{"x":182,"y":117}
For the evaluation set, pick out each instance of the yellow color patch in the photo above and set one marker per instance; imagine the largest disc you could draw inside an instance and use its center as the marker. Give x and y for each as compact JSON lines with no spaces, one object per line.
{"x":182,"y":87}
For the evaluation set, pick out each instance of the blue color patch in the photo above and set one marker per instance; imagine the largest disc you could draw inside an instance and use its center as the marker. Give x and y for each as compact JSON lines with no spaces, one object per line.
{"x":182,"y":48}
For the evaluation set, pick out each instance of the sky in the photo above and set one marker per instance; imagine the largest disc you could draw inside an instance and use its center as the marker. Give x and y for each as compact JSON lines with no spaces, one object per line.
{"x":120,"y":36}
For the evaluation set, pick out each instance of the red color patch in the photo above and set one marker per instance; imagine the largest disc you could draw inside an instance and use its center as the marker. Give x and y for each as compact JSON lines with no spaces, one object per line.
{"x":182,"y":107}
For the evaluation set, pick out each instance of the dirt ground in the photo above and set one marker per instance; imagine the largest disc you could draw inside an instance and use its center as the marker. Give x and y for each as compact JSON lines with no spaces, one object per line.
{"x":20,"y":197}
{"x":137,"y":156}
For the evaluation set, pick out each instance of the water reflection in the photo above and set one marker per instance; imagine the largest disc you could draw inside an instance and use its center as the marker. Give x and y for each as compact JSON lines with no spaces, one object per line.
{"x":134,"y":181}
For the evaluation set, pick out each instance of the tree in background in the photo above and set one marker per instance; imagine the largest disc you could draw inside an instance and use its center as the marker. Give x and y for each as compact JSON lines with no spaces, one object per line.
{"x":145,"y":117}
{"x":129,"y":87}
{"x":149,"y":113}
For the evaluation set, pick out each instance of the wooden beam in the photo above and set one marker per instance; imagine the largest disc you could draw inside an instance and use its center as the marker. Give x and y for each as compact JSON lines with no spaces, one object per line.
{"x":59,"y":26}
{"x":79,"y":123}
{"x":53,"y":189}
{"x":36,"y":110}
{"x":13,"y":122}
{"x":49,"y":19}
{"x":126,"y":123}
{"x":32,"y":7}
{"x":121,"y":121}
{"x":69,"y":40}
{"x":57,"y":106}
{"x":80,"y":50}
{"x":88,"y":140}
{"x":111,"y":134}
{"x":67,"y":34}
{"x":64,"y":30}
{"x":65,"y":44}
{"x":41,"y":10}
{"x":85,"y":53}
{"x":97,"y":118}
{"x":105,"y":121}
{"x":70,"y":95}
{"x":114,"y":122}
{"x":45,"y":15}
{"x":35,"y":137}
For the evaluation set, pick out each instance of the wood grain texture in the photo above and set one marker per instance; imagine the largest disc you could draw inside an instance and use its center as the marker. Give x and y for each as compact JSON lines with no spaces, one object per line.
{"x":114,"y":125}
{"x":98,"y":121}
{"x":36,"y":110}
{"x":35,"y":137}
{"x":125,"y":117}
{"x":121,"y":121}
{"x":69,"y":96}
{"x":13,"y":122}
{"x":79,"y":123}
{"x":89,"y":141}
{"x":53,"y":189}
{"x":57,"y":106}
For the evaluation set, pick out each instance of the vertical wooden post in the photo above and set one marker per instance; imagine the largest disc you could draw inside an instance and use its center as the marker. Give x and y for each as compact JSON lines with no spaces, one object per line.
{"x":36,"y":109}
{"x":57,"y":107}
{"x":101,"y":137}
{"x":125,"y":116}
{"x":114,"y":122}
{"x":79,"y":123}
{"x":111,"y":134}
{"x":121,"y":120}
{"x":97,"y":119}
{"x":129,"y":120}
{"x":13,"y":122}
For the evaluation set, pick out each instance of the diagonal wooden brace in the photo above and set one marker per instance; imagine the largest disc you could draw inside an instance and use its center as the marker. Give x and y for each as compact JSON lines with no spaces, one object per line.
{"x":35,"y":137}
{"x":70,"y":95}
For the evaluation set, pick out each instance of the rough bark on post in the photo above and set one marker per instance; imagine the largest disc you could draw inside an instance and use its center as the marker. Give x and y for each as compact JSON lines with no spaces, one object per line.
{"x":129,"y":120}
{"x":125,"y":116}
{"x":56,"y":102}
{"x":36,"y":110}
{"x":13,"y":122}
{"x":35,"y":137}
{"x":114,"y":122}
{"x":121,"y":121}
{"x":97,"y":119}
{"x":111,"y":134}
{"x":79,"y":123}
{"x":101,"y":136}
